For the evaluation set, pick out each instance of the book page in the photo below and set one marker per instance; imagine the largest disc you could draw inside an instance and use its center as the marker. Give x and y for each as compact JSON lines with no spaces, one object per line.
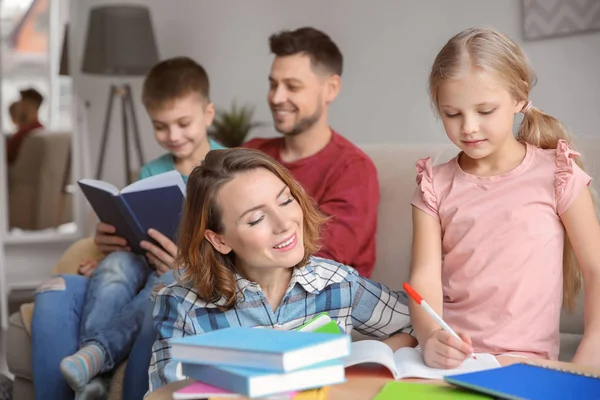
{"x":410,"y":364}
{"x":105,"y":186}
{"x":171,"y":178}
{"x":372,"y":351}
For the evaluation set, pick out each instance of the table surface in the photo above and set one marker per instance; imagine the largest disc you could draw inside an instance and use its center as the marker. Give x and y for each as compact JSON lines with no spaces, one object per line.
{"x":363,"y":384}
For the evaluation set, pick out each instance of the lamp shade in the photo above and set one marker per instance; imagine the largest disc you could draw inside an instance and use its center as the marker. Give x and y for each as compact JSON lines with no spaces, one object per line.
{"x":120,"y":41}
{"x":63,"y":69}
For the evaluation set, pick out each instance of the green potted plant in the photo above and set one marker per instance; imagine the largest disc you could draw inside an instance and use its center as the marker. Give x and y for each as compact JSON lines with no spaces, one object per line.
{"x":231,"y":127}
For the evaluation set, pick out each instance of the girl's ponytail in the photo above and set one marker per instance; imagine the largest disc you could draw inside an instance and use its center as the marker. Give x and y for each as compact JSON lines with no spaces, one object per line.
{"x":544,"y":131}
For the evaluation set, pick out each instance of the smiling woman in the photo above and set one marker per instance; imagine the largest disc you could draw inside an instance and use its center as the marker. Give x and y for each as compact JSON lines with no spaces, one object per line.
{"x":248,"y":235}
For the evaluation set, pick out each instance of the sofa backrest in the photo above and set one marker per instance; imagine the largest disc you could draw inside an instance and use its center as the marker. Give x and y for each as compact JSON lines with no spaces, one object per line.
{"x":397,"y":173}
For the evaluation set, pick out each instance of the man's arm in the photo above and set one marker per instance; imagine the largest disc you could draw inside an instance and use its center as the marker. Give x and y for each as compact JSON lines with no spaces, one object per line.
{"x":351,"y":199}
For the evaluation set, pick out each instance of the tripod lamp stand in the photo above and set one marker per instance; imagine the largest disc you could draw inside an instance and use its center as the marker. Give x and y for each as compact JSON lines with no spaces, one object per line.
{"x":120,"y":42}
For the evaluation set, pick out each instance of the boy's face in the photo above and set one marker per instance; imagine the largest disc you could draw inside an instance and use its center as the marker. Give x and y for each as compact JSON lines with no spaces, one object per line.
{"x":180,"y":125}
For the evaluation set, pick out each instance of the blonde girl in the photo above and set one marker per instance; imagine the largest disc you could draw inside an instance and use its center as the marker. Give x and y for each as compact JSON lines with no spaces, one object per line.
{"x":505,"y":230}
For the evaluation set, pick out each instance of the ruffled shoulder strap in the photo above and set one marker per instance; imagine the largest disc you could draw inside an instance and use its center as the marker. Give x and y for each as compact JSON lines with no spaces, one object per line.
{"x":425,"y":182}
{"x":564,"y":167}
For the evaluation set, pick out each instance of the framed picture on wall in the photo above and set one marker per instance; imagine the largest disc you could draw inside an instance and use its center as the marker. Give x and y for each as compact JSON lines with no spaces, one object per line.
{"x":552,"y":18}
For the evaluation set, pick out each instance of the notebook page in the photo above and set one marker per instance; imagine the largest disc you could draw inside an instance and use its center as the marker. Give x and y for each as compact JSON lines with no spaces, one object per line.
{"x":410,"y":364}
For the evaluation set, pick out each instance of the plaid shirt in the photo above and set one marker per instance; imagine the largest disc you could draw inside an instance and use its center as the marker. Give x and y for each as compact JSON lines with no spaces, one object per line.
{"x":322,"y":285}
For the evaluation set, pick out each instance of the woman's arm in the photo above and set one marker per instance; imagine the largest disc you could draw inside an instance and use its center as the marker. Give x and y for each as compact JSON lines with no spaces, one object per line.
{"x":440,"y":349}
{"x":171,"y":321}
{"x":581,"y":225}
{"x":380,"y":312}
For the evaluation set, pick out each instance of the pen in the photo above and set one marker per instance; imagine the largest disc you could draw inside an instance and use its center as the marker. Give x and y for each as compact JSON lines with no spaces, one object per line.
{"x":417,"y":297}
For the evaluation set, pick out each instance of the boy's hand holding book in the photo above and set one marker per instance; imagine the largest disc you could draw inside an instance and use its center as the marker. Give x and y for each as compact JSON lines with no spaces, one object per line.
{"x":107,"y":241}
{"x":161,"y":259}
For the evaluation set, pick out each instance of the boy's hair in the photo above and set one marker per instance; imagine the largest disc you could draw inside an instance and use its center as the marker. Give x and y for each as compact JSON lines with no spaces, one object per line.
{"x":173,"y":79}
{"x":323,"y":52}
{"x":32,"y":96}
{"x":489,"y":50}
{"x":209,"y":272}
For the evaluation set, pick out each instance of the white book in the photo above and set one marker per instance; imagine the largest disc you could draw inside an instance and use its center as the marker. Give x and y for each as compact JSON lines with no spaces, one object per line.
{"x":407,"y":362}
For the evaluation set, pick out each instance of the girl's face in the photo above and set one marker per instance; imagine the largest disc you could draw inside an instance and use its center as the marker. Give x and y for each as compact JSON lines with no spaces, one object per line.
{"x":478,"y":113}
{"x":263,"y":223}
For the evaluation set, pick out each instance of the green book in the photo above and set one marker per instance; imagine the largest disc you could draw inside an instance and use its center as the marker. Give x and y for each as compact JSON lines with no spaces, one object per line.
{"x":416,"y":391}
{"x":322,"y":323}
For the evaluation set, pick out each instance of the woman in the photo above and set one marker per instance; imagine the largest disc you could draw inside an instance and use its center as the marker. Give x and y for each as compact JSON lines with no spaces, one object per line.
{"x":246,"y":246}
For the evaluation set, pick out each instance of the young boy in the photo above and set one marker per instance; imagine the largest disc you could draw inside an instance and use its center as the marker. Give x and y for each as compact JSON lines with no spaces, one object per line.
{"x":111,"y":312}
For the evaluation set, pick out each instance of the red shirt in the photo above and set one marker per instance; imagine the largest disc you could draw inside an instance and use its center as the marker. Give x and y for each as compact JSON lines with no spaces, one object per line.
{"x":13,"y":143}
{"x":343,"y":181}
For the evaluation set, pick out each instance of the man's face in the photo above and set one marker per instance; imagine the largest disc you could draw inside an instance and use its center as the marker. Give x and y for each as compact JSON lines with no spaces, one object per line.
{"x":297,"y":93}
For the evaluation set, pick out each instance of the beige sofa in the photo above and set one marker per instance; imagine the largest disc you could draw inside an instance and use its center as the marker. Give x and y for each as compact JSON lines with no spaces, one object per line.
{"x":37,"y":182}
{"x":396,"y":168}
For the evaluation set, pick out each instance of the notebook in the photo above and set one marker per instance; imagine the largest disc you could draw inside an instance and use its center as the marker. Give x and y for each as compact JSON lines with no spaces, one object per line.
{"x":260,"y":383}
{"x":407,"y":362}
{"x":532,"y":382}
{"x":267,"y":349}
{"x":421,"y":391}
{"x":321,"y":323}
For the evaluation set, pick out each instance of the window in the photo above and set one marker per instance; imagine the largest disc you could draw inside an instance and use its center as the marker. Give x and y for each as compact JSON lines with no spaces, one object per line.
{"x":26,"y":34}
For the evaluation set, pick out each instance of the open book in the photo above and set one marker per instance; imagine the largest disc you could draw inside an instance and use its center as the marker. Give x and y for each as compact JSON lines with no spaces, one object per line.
{"x":155,"y":202}
{"x":407,"y":362}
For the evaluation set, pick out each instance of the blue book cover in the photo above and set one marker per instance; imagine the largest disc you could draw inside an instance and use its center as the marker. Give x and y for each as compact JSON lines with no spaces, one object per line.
{"x":533,"y":382}
{"x":155,"y":202}
{"x":271,"y":349}
{"x":260,"y":382}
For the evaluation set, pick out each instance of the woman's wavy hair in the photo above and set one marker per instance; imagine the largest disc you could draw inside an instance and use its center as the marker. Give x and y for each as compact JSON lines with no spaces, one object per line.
{"x":205,"y":269}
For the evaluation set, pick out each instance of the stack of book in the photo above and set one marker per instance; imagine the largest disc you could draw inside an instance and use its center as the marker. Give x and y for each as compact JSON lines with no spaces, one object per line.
{"x":263,"y":362}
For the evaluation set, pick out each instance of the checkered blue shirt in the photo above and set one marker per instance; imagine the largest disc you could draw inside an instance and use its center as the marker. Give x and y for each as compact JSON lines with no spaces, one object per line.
{"x":322,"y":285}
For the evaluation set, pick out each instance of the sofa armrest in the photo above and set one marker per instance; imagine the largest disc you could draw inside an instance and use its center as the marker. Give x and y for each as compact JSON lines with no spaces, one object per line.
{"x":81,"y":250}
{"x":26,"y":310}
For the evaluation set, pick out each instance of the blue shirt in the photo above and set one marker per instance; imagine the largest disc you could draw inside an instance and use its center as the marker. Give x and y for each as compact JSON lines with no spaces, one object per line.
{"x":351,"y":300}
{"x":166,"y":163}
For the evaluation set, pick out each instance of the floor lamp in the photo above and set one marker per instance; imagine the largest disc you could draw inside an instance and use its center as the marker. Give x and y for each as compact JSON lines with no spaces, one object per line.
{"x":120,"y":42}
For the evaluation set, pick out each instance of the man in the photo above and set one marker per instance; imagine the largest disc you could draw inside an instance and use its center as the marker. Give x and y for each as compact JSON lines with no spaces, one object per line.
{"x":305,"y":78}
{"x":28,"y":108}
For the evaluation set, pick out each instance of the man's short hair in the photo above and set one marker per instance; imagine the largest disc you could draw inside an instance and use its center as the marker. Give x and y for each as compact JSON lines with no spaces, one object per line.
{"x":32,"y":96}
{"x":173,"y":79}
{"x":323,"y":52}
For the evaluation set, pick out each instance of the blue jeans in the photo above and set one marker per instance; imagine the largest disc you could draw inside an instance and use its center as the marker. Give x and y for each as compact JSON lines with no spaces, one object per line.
{"x":111,"y":309}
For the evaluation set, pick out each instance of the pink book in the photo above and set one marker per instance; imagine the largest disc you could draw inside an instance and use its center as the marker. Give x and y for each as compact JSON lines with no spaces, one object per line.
{"x":199,"y":390}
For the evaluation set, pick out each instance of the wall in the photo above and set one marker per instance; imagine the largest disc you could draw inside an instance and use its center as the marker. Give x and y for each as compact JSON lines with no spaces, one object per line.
{"x":388,"y":48}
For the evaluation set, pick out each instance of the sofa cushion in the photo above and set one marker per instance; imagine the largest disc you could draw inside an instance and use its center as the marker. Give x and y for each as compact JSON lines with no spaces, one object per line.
{"x":568,"y":346}
{"x":18,"y":348}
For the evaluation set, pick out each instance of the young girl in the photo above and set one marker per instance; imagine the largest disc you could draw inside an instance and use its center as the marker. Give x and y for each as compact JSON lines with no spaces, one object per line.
{"x":247,"y":239}
{"x":490,"y":252}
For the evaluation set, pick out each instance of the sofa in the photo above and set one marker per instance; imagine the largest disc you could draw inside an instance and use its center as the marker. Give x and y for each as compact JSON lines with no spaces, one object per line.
{"x":37,"y":182}
{"x":396,"y":169}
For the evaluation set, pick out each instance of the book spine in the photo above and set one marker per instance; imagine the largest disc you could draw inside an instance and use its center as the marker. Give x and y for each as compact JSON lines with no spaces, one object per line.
{"x":559,"y":369}
{"x":133,"y":223}
{"x":217,"y":377}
